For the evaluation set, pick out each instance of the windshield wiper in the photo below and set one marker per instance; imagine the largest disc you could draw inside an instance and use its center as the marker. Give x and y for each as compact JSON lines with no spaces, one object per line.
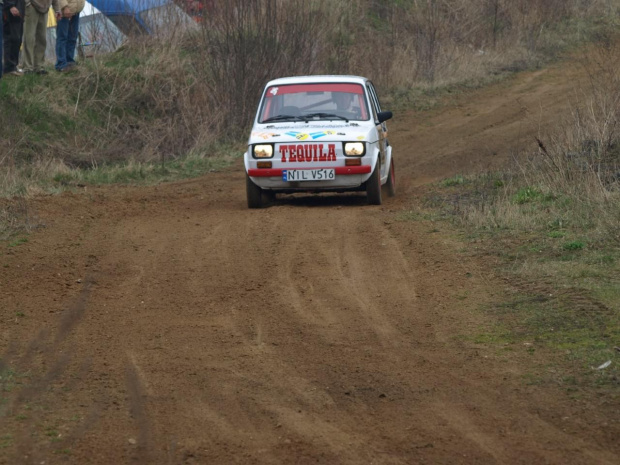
{"x":325,"y":115}
{"x":283,"y":117}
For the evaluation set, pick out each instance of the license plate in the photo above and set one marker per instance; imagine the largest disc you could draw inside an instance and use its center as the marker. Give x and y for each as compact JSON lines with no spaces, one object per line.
{"x":309,"y":175}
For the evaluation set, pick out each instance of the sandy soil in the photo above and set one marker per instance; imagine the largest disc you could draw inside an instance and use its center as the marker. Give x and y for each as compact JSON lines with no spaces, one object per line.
{"x":172,"y":325}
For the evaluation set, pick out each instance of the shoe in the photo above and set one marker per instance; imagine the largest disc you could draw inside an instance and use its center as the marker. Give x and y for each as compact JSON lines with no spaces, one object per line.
{"x":41,"y":71}
{"x":67,"y":69}
{"x":15,"y":72}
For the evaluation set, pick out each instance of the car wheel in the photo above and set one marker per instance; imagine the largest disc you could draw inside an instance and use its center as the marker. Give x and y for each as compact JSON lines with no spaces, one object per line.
{"x":373,"y":186}
{"x":254,"y":193}
{"x":390,"y":185}
{"x":268,"y":196}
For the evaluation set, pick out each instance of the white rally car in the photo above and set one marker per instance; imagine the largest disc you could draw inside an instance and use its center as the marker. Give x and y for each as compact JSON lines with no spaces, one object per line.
{"x":316,"y":134}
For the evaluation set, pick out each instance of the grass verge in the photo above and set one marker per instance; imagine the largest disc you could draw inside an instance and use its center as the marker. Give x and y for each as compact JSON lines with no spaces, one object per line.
{"x":144,"y":173}
{"x":560,"y":265}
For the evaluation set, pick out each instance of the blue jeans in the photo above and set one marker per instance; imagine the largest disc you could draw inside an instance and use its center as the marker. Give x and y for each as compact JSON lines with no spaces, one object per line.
{"x":66,"y":40}
{"x":1,"y":46}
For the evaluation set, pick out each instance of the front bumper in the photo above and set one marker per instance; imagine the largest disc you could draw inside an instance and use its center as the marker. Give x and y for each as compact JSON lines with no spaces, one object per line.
{"x":347,"y":177}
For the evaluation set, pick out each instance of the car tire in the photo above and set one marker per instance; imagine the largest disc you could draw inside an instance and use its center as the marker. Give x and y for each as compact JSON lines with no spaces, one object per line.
{"x":269,"y":196}
{"x":373,"y":186}
{"x":390,"y":185}
{"x":254,"y":193}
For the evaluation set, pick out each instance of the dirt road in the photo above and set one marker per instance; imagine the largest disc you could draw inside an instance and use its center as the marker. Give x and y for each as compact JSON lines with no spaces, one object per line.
{"x":172,"y":325}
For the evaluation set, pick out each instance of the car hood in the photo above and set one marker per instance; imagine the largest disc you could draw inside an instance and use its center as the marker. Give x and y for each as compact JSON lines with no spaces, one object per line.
{"x":333,"y":131}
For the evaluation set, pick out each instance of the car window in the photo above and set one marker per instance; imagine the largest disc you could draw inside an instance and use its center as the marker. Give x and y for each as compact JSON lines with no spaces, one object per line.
{"x":373,"y":98}
{"x":300,"y":100}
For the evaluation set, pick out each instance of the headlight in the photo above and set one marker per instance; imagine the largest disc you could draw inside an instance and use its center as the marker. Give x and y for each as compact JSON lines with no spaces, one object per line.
{"x":263,"y":151}
{"x":354,"y":149}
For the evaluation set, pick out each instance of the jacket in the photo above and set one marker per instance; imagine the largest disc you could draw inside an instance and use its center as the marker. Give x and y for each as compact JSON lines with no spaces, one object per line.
{"x":42,"y":6}
{"x":19,"y":4}
{"x":75,"y":6}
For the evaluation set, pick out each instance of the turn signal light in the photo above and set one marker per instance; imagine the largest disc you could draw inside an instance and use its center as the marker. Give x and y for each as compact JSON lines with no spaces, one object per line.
{"x":263,"y":164}
{"x":353,"y":162}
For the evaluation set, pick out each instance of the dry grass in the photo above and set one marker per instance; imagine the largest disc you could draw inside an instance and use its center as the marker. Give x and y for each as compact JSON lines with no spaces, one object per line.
{"x":573,"y":181}
{"x":15,"y":217}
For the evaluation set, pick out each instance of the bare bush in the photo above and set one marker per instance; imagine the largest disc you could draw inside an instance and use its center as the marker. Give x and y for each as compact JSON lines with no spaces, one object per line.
{"x":247,"y":42}
{"x":442,"y":41}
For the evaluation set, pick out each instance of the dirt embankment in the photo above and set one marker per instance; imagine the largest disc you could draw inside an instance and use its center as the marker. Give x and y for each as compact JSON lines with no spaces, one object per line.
{"x":173,"y":325}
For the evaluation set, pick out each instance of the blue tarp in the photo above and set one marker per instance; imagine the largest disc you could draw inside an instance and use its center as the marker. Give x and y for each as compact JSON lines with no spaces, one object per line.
{"x":145,"y":16}
{"x":127,"y":7}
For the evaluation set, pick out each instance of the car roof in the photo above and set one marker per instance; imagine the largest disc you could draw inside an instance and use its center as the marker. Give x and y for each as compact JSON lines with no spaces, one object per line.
{"x":317,"y":78}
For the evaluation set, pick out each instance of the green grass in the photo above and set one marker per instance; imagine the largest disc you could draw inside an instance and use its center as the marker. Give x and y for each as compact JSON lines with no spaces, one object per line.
{"x":574,"y":245}
{"x":7,"y":383}
{"x":457,"y":180}
{"x":6,"y":441}
{"x":581,"y":333}
{"x":18,"y":242}
{"x":7,"y":380}
{"x":531,"y":195}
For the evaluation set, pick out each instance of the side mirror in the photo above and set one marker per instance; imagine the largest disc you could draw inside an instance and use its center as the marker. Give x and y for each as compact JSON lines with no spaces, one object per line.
{"x":384,"y":116}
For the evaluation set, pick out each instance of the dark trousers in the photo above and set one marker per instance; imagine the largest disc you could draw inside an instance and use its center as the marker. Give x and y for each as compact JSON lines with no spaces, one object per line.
{"x":1,"y":45}
{"x":67,"y":30}
{"x":13,"y":30}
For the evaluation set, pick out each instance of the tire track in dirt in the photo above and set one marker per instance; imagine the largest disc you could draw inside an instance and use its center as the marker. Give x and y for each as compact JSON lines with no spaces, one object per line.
{"x":265,"y":379}
{"x":329,"y":282}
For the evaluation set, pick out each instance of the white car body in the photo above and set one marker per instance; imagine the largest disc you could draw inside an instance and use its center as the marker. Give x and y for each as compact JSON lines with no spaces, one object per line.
{"x":318,"y":133}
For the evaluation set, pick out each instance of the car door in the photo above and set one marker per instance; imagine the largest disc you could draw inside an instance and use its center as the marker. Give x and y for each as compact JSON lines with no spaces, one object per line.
{"x":381,"y":127}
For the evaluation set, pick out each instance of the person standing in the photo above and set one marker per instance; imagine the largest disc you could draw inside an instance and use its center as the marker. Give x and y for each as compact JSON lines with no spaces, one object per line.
{"x":13,"y":23}
{"x":67,"y":30}
{"x":1,"y":34}
{"x":35,"y":38}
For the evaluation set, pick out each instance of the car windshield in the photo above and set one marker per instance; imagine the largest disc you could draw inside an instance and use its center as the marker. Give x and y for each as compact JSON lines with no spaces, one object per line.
{"x":310,"y":102}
